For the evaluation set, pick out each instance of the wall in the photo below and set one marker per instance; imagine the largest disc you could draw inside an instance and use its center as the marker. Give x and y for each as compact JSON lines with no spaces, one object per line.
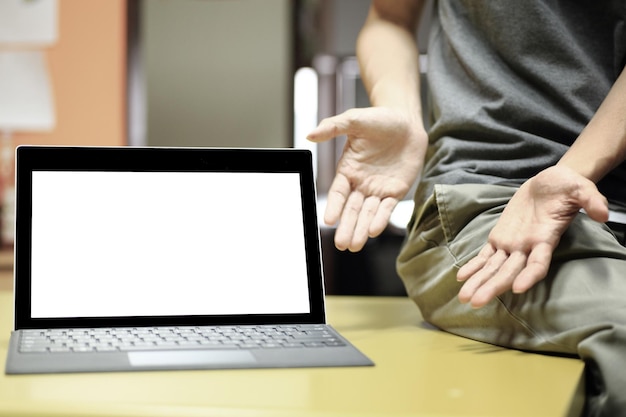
{"x":218,"y":73}
{"x":87,"y":67}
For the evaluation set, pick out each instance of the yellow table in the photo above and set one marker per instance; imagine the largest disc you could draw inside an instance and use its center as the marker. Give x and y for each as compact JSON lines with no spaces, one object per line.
{"x":419,"y":372}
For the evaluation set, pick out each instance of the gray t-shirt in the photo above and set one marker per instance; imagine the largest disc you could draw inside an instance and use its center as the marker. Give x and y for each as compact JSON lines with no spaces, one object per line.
{"x":513,"y":83}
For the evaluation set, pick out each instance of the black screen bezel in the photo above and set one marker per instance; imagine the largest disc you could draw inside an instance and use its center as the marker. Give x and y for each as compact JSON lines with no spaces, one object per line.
{"x":142,"y":159}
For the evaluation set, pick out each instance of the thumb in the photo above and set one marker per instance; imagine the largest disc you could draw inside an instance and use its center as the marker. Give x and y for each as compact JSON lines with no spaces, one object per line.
{"x":328,"y":128}
{"x":594,"y":203}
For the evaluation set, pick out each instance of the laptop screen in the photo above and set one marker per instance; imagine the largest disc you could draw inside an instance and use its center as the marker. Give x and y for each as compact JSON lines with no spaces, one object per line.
{"x":167,"y":243}
{"x":123,"y":236}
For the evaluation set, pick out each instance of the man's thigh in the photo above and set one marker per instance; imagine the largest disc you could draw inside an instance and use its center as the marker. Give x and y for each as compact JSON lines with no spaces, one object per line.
{"x":585,"y":287}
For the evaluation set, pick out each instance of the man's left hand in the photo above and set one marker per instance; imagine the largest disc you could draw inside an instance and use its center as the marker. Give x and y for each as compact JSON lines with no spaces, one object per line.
{"x":520,"y":247}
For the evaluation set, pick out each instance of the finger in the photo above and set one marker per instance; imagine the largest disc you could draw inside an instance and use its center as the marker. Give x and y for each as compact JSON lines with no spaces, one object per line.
{"x":337,"y":197}
{"x":476,"y":263}
{"x":349,"y":217}
{"x":501,"y":282}
{"x":536,"y":268}
{"x":329,"y":128}
{"x":489,"y":269}
{"x":361,"y":230}
{"x":383,"y":214}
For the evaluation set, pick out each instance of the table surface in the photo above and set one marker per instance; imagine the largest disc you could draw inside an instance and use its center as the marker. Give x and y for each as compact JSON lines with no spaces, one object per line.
{"x":420,"y":371}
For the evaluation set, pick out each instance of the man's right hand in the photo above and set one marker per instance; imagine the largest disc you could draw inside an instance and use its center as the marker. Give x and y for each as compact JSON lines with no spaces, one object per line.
{"x":381,"y":160}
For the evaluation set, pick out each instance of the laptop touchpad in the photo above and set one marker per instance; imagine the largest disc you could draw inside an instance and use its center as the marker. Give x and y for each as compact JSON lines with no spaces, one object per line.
{"x":190,"y":357}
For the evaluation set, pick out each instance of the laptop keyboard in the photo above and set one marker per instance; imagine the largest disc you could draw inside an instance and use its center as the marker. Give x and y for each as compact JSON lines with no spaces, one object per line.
{"x":159,"y":338}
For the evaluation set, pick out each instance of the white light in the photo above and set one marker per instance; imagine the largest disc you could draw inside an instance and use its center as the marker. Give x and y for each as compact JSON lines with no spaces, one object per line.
{"x":305,"y":110}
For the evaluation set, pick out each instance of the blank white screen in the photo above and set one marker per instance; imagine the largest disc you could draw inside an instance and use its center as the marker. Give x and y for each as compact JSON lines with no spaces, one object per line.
{"x":162,"y":243}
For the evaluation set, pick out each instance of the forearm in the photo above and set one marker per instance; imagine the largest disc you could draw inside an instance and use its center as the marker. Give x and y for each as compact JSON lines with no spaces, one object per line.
{"x":389,"y":58}
{"x":602,"y":144}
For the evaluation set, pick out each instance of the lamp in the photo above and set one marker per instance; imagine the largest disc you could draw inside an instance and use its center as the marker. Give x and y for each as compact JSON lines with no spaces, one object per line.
{"x":26,"y":102}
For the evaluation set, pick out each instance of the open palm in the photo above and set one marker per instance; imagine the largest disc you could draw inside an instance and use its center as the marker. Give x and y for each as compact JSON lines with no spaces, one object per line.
{"x":382,"y":158}
{"x":519,"y":249}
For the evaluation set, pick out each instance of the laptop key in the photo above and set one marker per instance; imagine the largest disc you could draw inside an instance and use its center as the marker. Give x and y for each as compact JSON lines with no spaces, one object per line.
{"x":60,"y":349}
{"x":34,"y":349}
{"x":293,"y":344}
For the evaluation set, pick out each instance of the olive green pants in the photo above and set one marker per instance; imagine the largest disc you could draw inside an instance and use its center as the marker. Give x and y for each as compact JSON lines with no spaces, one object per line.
{"x":579,"y":309}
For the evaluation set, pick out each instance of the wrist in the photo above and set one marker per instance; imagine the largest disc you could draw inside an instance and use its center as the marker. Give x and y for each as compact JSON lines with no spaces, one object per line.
{"x":592,"y":164}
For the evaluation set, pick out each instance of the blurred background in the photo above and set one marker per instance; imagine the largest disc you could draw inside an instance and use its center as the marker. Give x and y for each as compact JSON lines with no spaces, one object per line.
{"x":236,"y":73}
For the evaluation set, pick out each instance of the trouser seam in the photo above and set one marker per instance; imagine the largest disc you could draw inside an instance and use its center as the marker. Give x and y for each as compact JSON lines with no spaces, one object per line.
{"x":546,"y":341}
{"x":444,"y":220}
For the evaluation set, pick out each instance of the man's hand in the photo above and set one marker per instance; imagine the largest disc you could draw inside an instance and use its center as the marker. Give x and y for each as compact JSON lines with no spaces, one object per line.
{"x":383,"y":156}
{"x":520,"y":246}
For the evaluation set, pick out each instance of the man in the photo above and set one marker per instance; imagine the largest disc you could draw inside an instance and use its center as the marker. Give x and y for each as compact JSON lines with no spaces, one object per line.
{"x":520,"y":171}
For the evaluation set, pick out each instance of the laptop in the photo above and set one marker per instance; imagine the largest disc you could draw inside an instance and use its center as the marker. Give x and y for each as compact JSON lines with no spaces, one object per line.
{"x":132,"y":259}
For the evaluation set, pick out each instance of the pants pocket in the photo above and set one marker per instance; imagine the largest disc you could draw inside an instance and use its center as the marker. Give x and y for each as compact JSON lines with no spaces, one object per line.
{"x":448,"y":229}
